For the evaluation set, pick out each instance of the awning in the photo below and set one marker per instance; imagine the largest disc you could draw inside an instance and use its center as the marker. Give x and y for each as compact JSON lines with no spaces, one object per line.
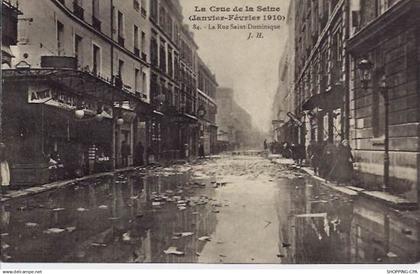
{"x":81,"y":83}
{"x":313,"y":102}
{"x":328,"y":100}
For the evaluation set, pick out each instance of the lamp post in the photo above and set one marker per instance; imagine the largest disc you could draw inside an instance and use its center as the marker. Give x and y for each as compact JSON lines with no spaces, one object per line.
{"x":365,"y":69}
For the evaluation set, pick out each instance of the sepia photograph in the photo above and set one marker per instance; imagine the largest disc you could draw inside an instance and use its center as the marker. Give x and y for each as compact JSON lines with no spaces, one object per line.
{"x":213,"y":134}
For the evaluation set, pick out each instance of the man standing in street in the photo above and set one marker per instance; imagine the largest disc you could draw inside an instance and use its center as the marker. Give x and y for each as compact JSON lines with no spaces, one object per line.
{"x":139,"y":160}
{"x":125,"y":152}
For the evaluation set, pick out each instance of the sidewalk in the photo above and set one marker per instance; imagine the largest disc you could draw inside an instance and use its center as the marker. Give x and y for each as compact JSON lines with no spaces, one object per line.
{"x":393,"y":201}
{"x":13,"y":194}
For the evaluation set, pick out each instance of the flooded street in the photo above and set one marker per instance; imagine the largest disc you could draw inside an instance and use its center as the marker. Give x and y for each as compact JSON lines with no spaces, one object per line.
{"x":233,"y":209}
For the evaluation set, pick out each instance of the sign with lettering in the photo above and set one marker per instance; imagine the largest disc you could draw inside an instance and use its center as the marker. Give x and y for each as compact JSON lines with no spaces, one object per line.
{"x":63,"y":100}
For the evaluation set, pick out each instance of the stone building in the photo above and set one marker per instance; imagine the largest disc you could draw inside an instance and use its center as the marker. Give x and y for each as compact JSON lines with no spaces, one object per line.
{"x":387,"y":33}
{"x":320,"y":69}
{"x":284,"y":129}
{"x":207,"y":108}
{"x":85,"y":84}
{"x":93,"y":79}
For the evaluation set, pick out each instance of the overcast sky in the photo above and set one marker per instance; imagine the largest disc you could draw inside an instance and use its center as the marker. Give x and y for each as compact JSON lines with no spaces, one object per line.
{"x":250,"y":67}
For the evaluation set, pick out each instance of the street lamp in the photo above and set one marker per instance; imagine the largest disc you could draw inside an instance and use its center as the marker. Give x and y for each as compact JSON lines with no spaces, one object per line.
{"x":365,"y":69}
{"x":365,"y":72}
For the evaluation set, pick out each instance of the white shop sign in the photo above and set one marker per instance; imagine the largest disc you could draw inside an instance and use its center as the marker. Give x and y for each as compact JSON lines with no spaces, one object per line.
{"x":64,"y":100}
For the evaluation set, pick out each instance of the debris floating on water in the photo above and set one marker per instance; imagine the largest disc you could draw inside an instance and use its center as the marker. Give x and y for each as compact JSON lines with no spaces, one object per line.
{"x":173,"y":250}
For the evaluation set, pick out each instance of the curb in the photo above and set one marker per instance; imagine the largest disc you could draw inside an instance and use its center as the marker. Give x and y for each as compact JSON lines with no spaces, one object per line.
{"x":390,"y":200}
{"x":58,"y":184}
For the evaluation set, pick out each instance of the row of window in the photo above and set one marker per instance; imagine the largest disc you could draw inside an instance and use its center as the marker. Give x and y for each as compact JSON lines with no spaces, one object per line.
{"x":163,"y":18}
{"x":139,"y":37}
{"x":140,"y":78}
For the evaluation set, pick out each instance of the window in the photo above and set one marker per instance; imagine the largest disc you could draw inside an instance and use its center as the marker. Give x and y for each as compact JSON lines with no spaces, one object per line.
{"x":153,"y":10}
{"x":60,"y":37}
{"x":96,"y":68}
{"x":136,"y":5}
{"x":78,"y":49}
{"x":170,"y":63}
{"x":144,"y":82}
{"x":136,"y":80}
{"x":378,"y":106}
{"x":143,"y":42}
{"x":120,"y":25}
{"x":78,"y":9}
{"x":121,"y":68}
{"x":162,"y":56}
{"x":96,"y":23}
{"x":144,"y":7}
{"x":154,"y":51}
{"x":162,"y":15}
{"x":95,"y":8}
{"x":136,"y":41}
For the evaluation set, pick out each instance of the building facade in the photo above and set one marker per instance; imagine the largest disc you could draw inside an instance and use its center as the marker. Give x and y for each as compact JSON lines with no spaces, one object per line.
{"x":387,"y":34}
{"x":320,"y":69}
{"x":331,"y":39}
{"x":207,"y":108}
{"x":284,"y":130}
{"x":99,"y":78}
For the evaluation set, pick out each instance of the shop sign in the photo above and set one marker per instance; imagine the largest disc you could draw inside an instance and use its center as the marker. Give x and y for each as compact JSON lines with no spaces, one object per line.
{"x":64,"y":100}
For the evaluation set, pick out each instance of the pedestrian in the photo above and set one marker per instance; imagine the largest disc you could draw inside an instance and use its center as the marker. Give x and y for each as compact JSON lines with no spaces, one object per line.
{"x":139,"y":156}
{"x":344,"y":163}
{"x":187,"y":152}
{"x":327,"y":160}
{"x":201,"y":151}
{"x":150,"y":155}
{"x":301,"y":150}
{"x":312,"y":155}
{"x":265,"y":145}
{"x":4,"y":169}
{"x":125,"y":152}
{"x":294,"y":153}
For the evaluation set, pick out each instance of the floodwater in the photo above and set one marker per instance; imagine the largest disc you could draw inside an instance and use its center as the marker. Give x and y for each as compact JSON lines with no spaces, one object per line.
{"x":233,"y":209}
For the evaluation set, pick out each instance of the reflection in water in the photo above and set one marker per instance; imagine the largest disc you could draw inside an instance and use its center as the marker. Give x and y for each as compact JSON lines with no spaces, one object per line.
{"x":110,"y":221}
{"x":135,"y":217}
{"x":328,"y":228}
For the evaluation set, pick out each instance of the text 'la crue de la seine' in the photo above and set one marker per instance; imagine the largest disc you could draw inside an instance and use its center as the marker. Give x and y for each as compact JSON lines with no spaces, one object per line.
{"x":241,"y":18}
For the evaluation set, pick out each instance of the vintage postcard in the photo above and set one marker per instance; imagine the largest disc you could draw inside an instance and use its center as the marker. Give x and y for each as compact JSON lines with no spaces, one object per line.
{"x":210,"y":132}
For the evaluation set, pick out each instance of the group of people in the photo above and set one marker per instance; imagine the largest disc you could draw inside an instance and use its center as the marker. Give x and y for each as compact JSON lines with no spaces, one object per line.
{"x":332,"y":161}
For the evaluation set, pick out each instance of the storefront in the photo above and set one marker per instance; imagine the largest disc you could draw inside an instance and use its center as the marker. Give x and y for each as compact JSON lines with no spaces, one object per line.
{"x":59,"y":124}
{"x":323,"y":115}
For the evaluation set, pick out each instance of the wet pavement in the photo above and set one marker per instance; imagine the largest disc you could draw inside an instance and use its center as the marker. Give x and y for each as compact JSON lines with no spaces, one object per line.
{"x":232,"y":209}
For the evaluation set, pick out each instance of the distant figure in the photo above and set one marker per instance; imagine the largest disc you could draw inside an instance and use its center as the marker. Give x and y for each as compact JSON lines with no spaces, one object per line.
{"x":150,"y":155}
{"x":327,"y":160}
{"x":187,"y":152}
{"x":125,"y":152}
{"x":139,"y":160}
{"x":4,"y":169}
{"x":314,"y":155}
{"x":344,"y":163}
{"x":265,"y":145}
{"x":201,"y":151}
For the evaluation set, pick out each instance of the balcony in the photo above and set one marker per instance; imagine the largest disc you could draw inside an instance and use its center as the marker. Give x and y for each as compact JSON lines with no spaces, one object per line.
{"x":96,"y":23}
{"x":78,"y":10}
{"x":136,"y":52}
{"x":121,"y":40}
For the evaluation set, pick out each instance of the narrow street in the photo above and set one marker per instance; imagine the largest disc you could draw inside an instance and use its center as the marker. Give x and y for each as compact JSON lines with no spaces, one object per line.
{"x":228,"y":209}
